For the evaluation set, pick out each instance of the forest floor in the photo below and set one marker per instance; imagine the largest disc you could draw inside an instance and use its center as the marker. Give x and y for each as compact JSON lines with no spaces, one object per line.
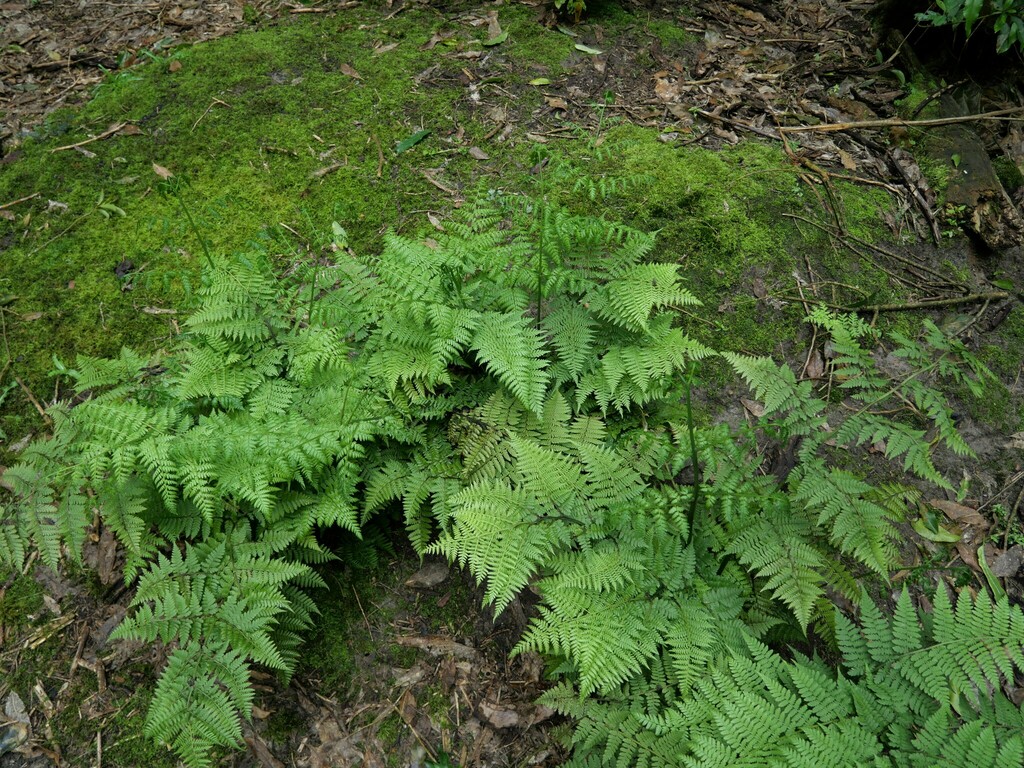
{"x":286,"y":117}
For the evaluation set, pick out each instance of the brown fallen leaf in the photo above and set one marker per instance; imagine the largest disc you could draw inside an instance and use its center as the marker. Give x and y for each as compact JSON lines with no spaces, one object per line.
{"x":384,"y":48}
{"x":174,"y":66}
{"x":847,"y":160}
{"x":31,"y":316}
{"x":430,"y":575}
{"x":438,"y":646}
{"x":959,"y":513}
{"x":753,"y":407}
{"x":162,"y":172}
{"x":478,"y":154}
{"x":815,"y":366}
{"x":498,"y":716}
{"x":348,"y":70}
{"x":556,"y":103}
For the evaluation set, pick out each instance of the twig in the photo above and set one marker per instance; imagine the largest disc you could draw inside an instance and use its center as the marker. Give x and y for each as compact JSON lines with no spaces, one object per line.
{"x":200,"y":118}
{"x":1010,"y":482}
{"x":439,"y":185}
{"x":109,"y":132}
{"x":895,"y":122}
{"x":944,"y":281}
{"x":1011,"y":517}
{"x":19,"y":200}
{"x":934,"y":96}
{"x":321,"y":172}
{"x":99,"y":749}
{"x":366,"y":621}
{"x":738,"y":123}
{"x":923,"y":304}
{"x":408,"y":724}
{"x":32,"y":399}
{"x":915,"y":191}
{"x":78,"y":653}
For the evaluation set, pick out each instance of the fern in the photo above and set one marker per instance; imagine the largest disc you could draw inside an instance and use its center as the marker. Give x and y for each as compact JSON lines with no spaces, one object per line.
{"x":519,"y":390}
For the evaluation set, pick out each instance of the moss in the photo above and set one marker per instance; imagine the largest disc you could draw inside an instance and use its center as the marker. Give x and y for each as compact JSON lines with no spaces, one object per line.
{"x":999,"y":407}
{"x":402,"y":655}
{"x":390,"y":730}
{"x":283,"y":724}
{"x":21,"y":603}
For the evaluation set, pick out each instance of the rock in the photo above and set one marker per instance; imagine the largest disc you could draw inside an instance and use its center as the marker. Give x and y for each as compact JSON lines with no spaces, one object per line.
{"x":1008,"y":563}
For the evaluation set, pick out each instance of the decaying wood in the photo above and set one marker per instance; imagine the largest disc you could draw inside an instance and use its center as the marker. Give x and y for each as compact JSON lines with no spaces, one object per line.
{"x":975,"y":194}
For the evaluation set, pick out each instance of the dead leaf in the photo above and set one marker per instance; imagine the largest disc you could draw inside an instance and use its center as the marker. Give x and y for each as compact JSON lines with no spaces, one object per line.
{"x":1016,"y":441}
{"x":431,"y":574}
{"x":847,"y":160}
{"x":959,"y":513}
{"x":174,"y":66}
{"x":106,"y":556}
{"x":497,"y":716}
{"x":162,"y":172}
{"x":384,"y":48}
{"x":438,"y":646}
{"x":436,"y":224}
{"x":556,"y":102}
{"x":493,"y":27}
{"x":407,"y":677}
{"x":348,"y":70}
{"x":262,"y":752}
{"x":537,"y":138}
{"x":31,"y":316}
{"x":51,"y":605}
{"x":407,"y":706}
{"x":478,"y":154}
{"x":753,"y":407}
{"x":759,"y":289}
{"x":815,"y":366}
{"x":159,"y":311}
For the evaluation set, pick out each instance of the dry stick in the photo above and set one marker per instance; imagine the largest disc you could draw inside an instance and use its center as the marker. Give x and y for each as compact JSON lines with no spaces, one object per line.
{"x":32,"y":399}
{"x":923,"y":304}
{"x":895,"y":122}
{"x":879,"y":249}
{"x":1011,"y":517}
{"x":935,"y":95}
{"x":738,"y":123}
{"x":206,"y":111}
{"x":19,"y":200}
{"x":109,"y":132}
{"x":918,"y":197}
{"x":439,"y":185}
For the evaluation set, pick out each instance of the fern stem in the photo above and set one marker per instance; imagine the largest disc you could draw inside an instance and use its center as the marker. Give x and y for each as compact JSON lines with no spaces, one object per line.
{"x":195,"y":229}
{"x":691,"y":515}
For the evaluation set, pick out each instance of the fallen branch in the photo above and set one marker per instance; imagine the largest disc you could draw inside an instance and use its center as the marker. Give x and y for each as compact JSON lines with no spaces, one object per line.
{"x":928,"y":303}
{"x":109,"y":132}
{"x":923,"y":304}
{"x":895,"y":122}
{"x":19,"y":200}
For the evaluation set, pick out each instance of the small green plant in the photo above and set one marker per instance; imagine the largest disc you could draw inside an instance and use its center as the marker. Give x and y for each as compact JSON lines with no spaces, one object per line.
{"x":1005,"y":17}
{"x":1007,"y":529}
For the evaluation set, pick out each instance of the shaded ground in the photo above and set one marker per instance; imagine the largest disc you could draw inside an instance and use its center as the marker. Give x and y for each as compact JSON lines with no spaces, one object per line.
{"x":402,"y":671}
